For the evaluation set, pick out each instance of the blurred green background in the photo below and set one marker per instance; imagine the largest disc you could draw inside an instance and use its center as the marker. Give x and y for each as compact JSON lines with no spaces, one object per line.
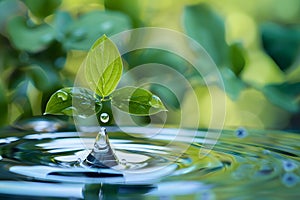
{"x":255,"y":44}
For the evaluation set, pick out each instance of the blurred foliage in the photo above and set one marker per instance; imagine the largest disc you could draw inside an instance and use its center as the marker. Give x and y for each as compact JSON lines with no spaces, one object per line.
{"x":255,"y":44}
{"x":281,"y":42}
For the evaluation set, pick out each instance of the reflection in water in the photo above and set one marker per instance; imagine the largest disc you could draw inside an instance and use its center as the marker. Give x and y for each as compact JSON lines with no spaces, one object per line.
{"x":261,"y":165}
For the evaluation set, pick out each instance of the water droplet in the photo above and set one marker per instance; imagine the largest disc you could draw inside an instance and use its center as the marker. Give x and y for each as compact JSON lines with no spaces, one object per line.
{"x":290,"y":179}
{"x":78,"y":161}
{"x":62,"y":95}
{"x":102,"y":155}
{"x":154,"y":102}
{"x":289,"y":165}
{"x":241,"y":132}
{"x":123,"y":161}
{"x":104,"y":117}
{"x":101,"y":140}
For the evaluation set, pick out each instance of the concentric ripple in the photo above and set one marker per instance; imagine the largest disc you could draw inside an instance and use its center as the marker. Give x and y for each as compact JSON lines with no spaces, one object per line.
{"x":244,"y":163}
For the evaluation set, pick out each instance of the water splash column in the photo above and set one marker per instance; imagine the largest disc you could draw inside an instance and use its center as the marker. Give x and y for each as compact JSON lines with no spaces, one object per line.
{"x":102,"y":155}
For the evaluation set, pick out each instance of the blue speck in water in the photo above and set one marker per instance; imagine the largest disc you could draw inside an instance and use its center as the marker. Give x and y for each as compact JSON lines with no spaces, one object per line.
{"x":241,"y":132}
{"x":289,"y":165}
{"x":207,"y":196}
{"x":266,"y":151}
{"x":290,"y":179}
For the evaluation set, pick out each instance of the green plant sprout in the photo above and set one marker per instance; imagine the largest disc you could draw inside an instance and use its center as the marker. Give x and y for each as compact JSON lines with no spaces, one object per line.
{"x":103,"y":70}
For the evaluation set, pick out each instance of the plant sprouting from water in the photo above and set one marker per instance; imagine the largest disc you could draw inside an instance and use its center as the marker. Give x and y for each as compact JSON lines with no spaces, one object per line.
{"x":103,"y":70}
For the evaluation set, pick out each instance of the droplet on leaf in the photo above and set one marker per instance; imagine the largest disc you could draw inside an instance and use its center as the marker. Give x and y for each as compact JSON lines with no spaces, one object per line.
{"x":62,"y":95}
{"x":104,"y":117}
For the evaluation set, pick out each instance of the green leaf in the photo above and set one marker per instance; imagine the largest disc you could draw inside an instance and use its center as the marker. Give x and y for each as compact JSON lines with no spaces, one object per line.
{"x":42,"y":8}
{"x":207,"y":28}
{"x":3,"y":106}
{"x":73,"y":101}
{"x":9,"y":8}
{"x":168,"y":97}
{"x":131,"y":8}
{"x":84,"y":31}
{"x":236,"y":53}
{"x":137,"y":101}
{"x":60,"y":23}
{"x":281,"y":42}
{"x":103,"y":67}
{"x":21,"y":98}
{"x":38,"y":77}
{"x":233,"y":85}
{"x":285,"y":95}
{"x":32,"y":39}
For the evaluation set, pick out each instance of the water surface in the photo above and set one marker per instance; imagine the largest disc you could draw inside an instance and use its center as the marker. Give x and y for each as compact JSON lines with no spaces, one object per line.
{"x":244,"y":164}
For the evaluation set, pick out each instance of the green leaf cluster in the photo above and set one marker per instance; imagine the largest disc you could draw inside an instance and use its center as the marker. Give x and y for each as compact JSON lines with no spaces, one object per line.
{"x":103,"y":69}
{"x":38,"y":37}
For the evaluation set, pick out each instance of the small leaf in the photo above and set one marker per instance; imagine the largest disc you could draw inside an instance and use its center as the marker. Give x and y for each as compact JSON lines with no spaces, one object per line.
{"x":20,"y":97}
{"x":27,"y":38}
{"x":60,"y":23}
{"x":8,"y":9}
{"x":3,"y":105}
{"x":237,"y":58}
{"x":208,"y":29}
{"x":281,"y":43}
{"x":137,"y":101}
{"x":42,"y":8}
{"x":103,"y":67}
{"x":233,"y":85}
{"x":38,"y":77}
{"x":285,"y":95}
{"x":73,"y":101}
{"x":131,"y":8}
{"x":84,"y":31}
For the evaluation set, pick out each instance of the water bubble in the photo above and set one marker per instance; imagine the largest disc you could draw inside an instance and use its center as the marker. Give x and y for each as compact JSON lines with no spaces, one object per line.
{"x":290,"y":179}
{"x":241,"y":132}
{"x":62,"y":95}
{"x":289,"y":165}
{"x":104,"y":117}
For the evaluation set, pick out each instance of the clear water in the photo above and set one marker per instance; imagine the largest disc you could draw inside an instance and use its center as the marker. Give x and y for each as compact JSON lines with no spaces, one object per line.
{"x":244,"y":164}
